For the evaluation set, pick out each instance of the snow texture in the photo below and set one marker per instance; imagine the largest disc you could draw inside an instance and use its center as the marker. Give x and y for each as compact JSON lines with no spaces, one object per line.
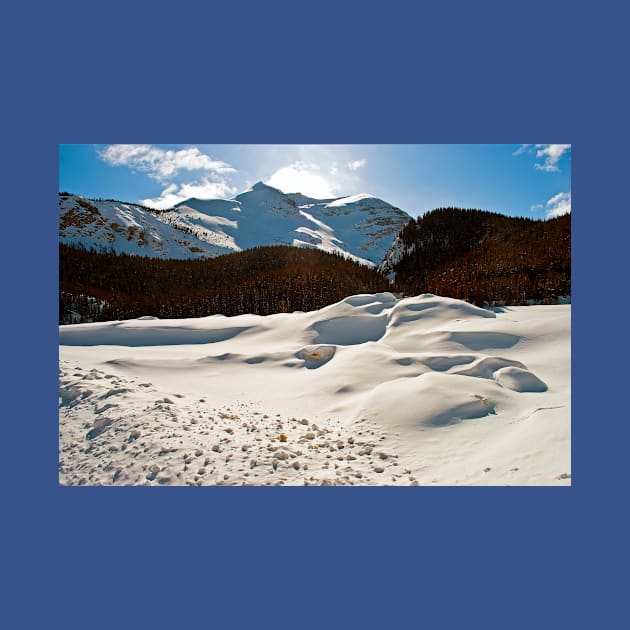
{"x":372,"y":390}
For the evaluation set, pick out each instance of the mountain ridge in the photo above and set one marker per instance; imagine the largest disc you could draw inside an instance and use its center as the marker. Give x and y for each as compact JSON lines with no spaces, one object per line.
{"x":360,"y":227}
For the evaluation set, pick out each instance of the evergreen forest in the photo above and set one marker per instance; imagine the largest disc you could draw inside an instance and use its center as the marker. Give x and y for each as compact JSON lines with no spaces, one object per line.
{"x":483,"y":257}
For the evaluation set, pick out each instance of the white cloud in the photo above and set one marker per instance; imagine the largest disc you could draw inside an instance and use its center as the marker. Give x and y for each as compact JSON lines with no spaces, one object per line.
{"x":302,"y":177}
{"x":204,"y":189}
{"x":356,"y":164}
{"x":162,"y":164}
{"x":558,"y":205}
{"x":522,"y":149}
{"x":550,"y":153}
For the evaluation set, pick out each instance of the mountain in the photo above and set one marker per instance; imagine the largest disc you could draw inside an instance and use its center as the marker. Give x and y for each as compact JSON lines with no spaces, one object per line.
{"x":482,"y":257}
{"x":360,"y":227}
{"x":108,"y":225}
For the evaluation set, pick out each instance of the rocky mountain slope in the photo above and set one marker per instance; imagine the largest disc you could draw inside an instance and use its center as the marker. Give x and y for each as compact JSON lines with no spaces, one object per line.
{"x":361,"y":227}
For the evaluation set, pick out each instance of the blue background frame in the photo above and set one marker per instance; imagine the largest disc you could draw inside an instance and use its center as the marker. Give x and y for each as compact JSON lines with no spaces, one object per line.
{"x":319,"y":557}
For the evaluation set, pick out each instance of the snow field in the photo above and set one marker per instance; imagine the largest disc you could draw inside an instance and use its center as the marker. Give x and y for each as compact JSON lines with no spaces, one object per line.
{"x":371,"y":390}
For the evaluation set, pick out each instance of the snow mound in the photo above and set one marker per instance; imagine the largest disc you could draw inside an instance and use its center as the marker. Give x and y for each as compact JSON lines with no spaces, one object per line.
{"x":370,"y":390}
{"x":386,"y":300}
{"x":519,"y":379}
{"x":486,"y":367}
{"x":429,"y":400}
{"x":434,"y":310}
{"x":135,"y":333}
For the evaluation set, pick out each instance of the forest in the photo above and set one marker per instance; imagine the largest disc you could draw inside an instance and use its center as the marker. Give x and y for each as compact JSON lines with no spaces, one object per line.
{"x":486,"y":258}
{"x":101,"y":286}
{"x":482,"y":257}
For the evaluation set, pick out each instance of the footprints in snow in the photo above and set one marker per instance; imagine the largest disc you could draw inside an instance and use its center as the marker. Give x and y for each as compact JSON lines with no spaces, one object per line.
{"x":152,"y":439}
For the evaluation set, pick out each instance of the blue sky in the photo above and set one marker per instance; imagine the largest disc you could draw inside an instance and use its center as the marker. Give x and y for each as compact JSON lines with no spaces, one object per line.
{"x":515,"y":179}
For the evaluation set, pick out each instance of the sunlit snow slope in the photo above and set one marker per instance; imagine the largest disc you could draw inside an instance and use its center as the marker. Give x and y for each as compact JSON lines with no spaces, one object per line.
{"x":127,"y":228}
{"x":361,"y":227}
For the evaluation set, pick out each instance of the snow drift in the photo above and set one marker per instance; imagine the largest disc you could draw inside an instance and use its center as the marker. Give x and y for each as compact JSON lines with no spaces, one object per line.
{"x":371,"y":390}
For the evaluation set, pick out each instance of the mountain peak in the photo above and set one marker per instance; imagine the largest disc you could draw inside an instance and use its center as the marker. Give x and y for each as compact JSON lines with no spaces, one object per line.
{"x":359,"y":227}
{"x":262,"y":186}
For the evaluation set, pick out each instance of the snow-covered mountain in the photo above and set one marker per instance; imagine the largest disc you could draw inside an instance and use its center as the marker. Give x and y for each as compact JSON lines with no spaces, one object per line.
{"x":127,"y":228}
{"x":361,"y":227}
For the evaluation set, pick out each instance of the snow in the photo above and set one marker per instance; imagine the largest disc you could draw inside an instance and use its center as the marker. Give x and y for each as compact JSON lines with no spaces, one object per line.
{"x":130,"y":229}
{"x":373,"y":390}
{"x":360,"y":227}
{"x":322,"y":236}
{"x":393,"y":256}
{"x":345,"y":201}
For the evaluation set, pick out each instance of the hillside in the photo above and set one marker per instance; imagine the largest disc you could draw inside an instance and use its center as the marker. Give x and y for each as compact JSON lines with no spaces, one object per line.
{"x":482,"y":257}
{"x":103,"y":286}
{"x":361,"y":227}
{"x":126,"y":228}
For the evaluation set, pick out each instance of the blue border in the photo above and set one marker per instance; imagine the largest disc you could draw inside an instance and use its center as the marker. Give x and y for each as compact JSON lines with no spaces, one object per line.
{"x":349,"y":73}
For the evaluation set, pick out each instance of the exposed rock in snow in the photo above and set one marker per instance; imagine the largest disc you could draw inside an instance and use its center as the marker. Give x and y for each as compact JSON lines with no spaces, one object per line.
{"x":360,"y":227}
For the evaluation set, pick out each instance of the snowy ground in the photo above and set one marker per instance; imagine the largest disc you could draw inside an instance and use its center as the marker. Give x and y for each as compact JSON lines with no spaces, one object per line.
{"x":369,"y":391}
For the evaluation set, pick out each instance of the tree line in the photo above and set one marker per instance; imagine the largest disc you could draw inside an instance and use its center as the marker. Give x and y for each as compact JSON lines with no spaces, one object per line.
{"x":104,"y":286}
{"x":485,"y":257}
